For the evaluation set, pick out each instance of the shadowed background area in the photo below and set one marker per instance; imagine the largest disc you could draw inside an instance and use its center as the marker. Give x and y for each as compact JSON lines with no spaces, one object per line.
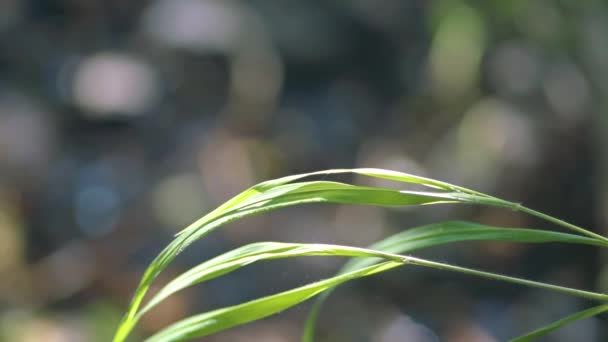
{"x":123,"y":121}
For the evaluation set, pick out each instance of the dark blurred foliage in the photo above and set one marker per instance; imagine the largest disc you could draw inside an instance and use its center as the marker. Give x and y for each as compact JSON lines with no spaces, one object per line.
{"x":123,"y":121}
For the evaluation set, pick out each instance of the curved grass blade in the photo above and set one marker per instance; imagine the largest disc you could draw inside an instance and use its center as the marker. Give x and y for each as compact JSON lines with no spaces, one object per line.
{"x":225,"y":318}
{"x":443,"y":233}
{"x":457,"y":231}
{"x":278,"y":193}
{"x":251,"y":203}
{"x":214,"y":321}
{"x":243,"y":256}
{"x":262,"y":187}
{"x":410,"y":179}
{"x":416,"y":238}
{"x":435,"y":184}
{"x":560,"y":323}
{"x":402,"y":177}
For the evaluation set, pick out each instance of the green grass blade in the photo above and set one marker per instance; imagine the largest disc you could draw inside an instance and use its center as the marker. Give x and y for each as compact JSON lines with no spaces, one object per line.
{"x":243,"y":256}
{"x":273,"y":198}
{"x":222,"y":319}
{"x":215,"y":321}
{"x":413,"y":179}
{"x":456,"y":231}
{"x":519,"y":281}
{"x":412,"y":239}
{"x":335,"y":192}
{"x":283,"y":192}
{"x":443,"y":233}
{"x":370,"y":172}
{"x":562,"y":322}
{"x":481,"y":198}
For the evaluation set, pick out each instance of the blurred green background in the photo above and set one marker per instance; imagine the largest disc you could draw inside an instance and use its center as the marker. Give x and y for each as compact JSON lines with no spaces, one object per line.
{"x":123,"y":121}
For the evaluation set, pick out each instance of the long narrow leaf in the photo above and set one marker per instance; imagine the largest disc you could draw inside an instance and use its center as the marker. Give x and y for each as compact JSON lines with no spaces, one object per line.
{"x":283,"y":192}
{"x":412,"y":239}
{"x":369,"y":172}
{"x":443,"y":233}
{"x":240,"y":257}
{"x":560,"y":323}
{"x":225,"y":318}
{"x":253,"y":202}
{"x":215,"y":321}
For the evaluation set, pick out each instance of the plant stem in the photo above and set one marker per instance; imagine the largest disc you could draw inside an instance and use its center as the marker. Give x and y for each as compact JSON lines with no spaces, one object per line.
{"x":562,"y":223}
{"x":530,"y":283}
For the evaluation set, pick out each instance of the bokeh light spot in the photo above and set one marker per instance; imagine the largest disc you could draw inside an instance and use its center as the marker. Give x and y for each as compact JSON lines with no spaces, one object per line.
{"x":114,"y":84}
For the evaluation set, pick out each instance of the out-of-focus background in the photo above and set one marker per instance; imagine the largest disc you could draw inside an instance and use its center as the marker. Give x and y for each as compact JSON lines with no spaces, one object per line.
{"x":123,"y":121}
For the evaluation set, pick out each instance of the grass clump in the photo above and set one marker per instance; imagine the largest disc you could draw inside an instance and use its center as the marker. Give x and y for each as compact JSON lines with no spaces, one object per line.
{"x":381,"y":256}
